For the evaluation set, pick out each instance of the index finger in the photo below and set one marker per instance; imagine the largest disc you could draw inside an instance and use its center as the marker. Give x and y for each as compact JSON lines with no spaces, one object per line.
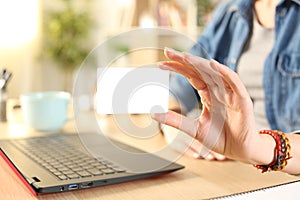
{"x":200,"y":67}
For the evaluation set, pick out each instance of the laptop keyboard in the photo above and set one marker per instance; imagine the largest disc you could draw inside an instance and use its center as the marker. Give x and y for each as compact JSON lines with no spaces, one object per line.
{"x":64,"y":157}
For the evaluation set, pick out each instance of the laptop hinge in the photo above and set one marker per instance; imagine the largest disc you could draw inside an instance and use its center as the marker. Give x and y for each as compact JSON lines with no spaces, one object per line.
{"x":16,"y":171}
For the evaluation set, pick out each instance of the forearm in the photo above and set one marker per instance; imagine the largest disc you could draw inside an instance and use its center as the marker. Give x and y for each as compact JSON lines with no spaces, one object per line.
{"x":293,"y":166}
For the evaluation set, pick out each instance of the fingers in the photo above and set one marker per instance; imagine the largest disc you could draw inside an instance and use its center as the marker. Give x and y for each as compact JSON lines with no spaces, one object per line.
{"x":195,"y":147}
{"x":178,"y":67}
{"x":200,"y":151}
{"x":181,"y":142}
{"x":230,"y":78}
{"x":178,"y":121}
{"x":202,"y":72}
{"x":198,"y":72}
{"x":194,"y":77}
{"x":187,"y":145}
{"x":186,"y":64}
{"x":174,"y":55}
{"x":199,"y":66}
{"x":186,"y":59}
{"x":219,"y":156}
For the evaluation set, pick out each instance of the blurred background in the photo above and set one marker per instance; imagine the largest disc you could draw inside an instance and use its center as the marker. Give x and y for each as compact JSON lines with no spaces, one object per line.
{"x":44,"y":42}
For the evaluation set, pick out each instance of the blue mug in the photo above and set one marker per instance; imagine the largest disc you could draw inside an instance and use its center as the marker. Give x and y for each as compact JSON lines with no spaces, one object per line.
{"x":45,"y":111}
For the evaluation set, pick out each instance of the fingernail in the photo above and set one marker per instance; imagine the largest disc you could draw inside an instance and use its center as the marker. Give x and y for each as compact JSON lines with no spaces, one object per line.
{"x":160,"y":117}
{"x":172,"y":51}
{"x":220,"y":157}
{"x":163,"y":66}
{"x":168,"y":49}
{"x":213,"y":60}
{"x":155,"y":116}
{"x":214,"y":64}
{"x":209,"y":157}
{"x":195,"y":155}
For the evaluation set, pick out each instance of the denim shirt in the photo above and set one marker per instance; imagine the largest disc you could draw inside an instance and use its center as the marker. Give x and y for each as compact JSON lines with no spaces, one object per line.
{"x":224,"y":40}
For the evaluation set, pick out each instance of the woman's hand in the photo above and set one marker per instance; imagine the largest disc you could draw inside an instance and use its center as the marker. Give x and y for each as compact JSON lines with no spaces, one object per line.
{"x":226,"y":124}
{"x":185,"y":144}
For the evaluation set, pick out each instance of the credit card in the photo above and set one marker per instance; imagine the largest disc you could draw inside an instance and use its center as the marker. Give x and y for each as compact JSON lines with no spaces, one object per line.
{"x":129,"y":90}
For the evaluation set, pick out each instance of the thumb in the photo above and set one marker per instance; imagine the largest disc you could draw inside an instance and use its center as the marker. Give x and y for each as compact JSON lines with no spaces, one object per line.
{"x":178,"y":121}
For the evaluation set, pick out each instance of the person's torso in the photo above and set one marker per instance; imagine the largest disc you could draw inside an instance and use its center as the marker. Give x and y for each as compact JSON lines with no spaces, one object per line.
{"x":225,"y":39}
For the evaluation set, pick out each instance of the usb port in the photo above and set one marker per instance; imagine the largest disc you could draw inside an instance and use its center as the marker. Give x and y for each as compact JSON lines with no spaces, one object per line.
{"x":73,"y":186}
{"x":87,"y":185}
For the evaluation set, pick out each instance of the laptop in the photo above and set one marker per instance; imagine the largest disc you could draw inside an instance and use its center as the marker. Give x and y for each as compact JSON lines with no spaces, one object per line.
{"x":59,"y":162}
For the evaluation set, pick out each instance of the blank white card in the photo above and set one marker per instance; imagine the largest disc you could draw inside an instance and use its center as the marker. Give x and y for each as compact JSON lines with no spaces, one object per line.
{"x":132,"y":90}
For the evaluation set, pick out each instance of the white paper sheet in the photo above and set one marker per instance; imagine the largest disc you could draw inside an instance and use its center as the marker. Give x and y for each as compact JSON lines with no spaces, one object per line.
{"x":285,"y":191}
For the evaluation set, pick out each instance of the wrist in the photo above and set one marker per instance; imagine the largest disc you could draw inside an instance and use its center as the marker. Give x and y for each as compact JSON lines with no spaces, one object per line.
{"x":263,"y":150}
{"x":281,"y":152}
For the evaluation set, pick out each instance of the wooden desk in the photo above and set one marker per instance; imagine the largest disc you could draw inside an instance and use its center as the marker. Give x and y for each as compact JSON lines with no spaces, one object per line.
{"x":199,"y":180}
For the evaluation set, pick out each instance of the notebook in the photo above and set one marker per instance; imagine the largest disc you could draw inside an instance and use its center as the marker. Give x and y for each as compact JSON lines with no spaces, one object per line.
{"x":59,"y":162}
{"x":288,"y":190}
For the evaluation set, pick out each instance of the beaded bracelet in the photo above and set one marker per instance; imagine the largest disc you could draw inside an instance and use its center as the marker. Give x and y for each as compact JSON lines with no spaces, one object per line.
{"x":282,"y":151}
